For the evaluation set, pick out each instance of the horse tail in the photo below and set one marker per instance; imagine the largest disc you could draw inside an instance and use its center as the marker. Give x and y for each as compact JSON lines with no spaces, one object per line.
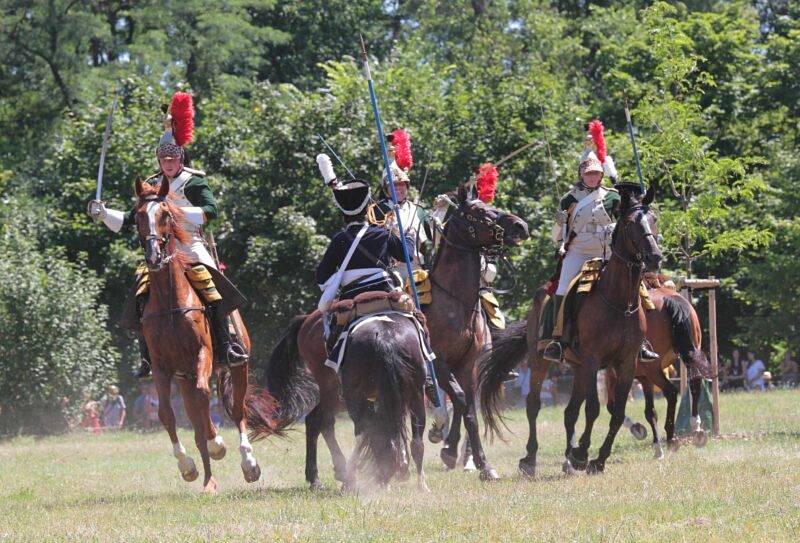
{"x":509,"y":347}
{"x":287,"y":379}
{"x":686,"y":334}
{"x":385,"y":426}
{"x":260,"y":408}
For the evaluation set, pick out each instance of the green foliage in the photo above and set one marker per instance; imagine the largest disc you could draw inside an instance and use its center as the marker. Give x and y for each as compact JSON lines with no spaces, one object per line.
{"x":55,"y":344}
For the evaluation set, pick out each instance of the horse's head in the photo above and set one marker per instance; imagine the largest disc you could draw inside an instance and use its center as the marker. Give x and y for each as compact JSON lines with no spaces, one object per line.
{"x":157,"y":223}
{"x":636,"y":235}
{"x":481,"y":226}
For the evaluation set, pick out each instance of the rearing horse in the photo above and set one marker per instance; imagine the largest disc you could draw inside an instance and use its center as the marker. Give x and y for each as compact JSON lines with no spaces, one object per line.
{"x":179,"y":339}
{"x":610,"y":326}
{"x":298,"y":379}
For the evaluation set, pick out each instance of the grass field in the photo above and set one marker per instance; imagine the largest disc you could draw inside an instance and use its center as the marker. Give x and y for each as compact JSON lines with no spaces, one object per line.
{"x":126,"y":487}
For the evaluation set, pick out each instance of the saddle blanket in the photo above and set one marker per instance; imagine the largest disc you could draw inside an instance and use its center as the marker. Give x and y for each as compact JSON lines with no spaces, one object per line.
{"x":336,"y":355}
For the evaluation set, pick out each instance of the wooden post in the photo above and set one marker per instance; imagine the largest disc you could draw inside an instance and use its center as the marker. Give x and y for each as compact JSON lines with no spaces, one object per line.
{"x":686,"y":293}
{"x":712,"y":332}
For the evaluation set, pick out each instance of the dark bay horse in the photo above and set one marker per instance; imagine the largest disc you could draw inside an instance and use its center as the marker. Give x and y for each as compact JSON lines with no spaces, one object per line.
{"x":383,"y":374}
{"x":674,"y":331}
{"x":297,"y":377}
{"x":610,"y":325}
{"x":179,"y":339}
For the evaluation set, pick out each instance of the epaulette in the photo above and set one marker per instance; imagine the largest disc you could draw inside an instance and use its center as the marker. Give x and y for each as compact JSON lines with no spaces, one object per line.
{"x":152,"y":178}
{"x":611,"y":189}
{"x":198,"y":173}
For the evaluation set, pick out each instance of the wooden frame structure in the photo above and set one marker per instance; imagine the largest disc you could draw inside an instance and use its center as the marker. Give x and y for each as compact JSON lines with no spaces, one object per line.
{"x":686,"y":286}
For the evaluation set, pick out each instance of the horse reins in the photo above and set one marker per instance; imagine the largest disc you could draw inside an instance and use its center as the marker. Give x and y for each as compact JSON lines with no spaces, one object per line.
{"x":634,"y":266}
{"x":165,"y":241}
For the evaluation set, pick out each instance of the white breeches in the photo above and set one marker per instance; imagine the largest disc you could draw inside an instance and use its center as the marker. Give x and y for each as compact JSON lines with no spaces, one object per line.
{"x":197,"y":252}
{"x":570,"y":267}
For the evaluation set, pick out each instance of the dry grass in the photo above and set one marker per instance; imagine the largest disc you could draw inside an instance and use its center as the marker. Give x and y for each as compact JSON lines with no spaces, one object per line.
{"x":126,"y":487}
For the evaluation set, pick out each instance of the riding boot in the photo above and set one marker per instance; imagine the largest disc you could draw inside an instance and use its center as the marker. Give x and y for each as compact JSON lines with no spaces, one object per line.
{"x":431,"y":390}
{"x":646,"y":354}
{"x":234,"y":351}
{"x":554,"y":351}
{"x":144,"y":358}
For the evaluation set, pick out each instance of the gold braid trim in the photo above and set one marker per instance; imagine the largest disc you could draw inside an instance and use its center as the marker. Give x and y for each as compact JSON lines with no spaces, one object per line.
{"x":373,"y":219}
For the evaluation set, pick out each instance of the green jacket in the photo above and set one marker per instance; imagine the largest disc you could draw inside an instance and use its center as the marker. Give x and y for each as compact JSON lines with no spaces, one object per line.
{"x":197,"y":191}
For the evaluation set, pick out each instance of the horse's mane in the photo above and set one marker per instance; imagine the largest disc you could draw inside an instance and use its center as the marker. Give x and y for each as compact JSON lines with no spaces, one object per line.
{"x":177,"y":230}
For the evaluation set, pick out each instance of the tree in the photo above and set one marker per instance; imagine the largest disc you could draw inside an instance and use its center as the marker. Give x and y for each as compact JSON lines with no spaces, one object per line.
{"x":55,"y":344}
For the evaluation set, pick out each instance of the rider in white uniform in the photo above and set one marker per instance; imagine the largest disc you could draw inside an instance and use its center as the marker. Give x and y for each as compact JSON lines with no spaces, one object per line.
{"x":190,"y":191}
{"x":585,"y":222}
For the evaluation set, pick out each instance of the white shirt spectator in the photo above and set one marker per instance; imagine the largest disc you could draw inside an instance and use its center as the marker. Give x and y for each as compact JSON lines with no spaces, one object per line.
{"x":755,"y":374}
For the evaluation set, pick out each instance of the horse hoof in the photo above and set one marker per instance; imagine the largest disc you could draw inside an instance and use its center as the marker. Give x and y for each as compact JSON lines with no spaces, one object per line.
{"x":639,"y":431}
{"x":658,"y":451}
{"x":435,"y":435}
{"x":423,"y":487}
{"x":251,"y":473}
{"x":317,"y":485}
{"x":216,"y":448}
{"x":568,"y":468}
{"x":489,"y":474}
{"x":527,"y":469}
{"x":340,"y":475}
{"x":448,"y":459}
{"x":700,"y":439}
{"x":577,"y":463}
{"x":595,"y":467}
{"x":210,"y":487}
{"x":188,"y":471}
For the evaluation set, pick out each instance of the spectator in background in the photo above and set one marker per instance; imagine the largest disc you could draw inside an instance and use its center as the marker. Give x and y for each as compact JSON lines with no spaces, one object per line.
{"x":113,"y":409}
{"x":755,"y":372}
{"x":151,"y":407}
{"x":90,"y":414}
{"x":139,"y":416}
{"x":523,"y":383}
{"x":734,"y":372}
{"x":789,"y":370}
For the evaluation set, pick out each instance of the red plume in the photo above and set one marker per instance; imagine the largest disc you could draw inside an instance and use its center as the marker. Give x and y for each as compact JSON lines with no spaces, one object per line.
{"x":402,"y":149}
{"x":182,"y":110}
{"x":487,"y":182}
{"x":596,"y":130}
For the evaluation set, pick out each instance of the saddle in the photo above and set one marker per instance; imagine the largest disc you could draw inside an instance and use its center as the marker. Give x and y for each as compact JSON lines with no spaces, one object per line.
{"x":423,"y":283}
{"x":367,"y":303}
{"x":584,"y":283}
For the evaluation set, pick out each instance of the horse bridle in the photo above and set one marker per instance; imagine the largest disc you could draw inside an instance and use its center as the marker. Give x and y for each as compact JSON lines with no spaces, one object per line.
{"x":163,"y":241}
{"x":635,"y":265}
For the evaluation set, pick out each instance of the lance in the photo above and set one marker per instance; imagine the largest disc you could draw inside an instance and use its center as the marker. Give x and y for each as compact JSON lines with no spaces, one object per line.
{"x":382,"y":140}
{"x":325,"y":143}
{"x":514,"y":153}
{"x":633,"y":143}
{"x":104,"y":149}
{"x":549,"y":154}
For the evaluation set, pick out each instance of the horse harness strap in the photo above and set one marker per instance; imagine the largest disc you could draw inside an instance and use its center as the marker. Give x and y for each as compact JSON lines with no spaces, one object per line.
{"x":174,"y":311}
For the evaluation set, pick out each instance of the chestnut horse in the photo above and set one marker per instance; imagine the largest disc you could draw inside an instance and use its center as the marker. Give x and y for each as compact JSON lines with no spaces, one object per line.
{"x":179,"y":340}
{"x":612,"y":304}
{"x":673,"y":329}
{"x":296,"y":375}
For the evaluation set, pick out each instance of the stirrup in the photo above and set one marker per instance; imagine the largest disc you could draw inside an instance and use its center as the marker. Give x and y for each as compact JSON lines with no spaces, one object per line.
{"x":236,"y":355}
{"x":551,"y":354}
{"x":646,"y":353}
{"x":431,"y":393}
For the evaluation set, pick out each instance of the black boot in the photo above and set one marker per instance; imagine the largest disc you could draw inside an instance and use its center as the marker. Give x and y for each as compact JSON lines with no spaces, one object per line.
{"x":144,"y":359}
{"x":232,"y":352}
{"x":431,"y":390}
{"x":554,"y":351}
{"x":646,"y":354}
